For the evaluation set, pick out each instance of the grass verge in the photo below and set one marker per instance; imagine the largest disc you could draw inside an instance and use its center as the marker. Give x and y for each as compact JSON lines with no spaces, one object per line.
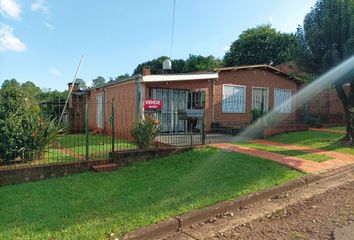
{"x":90,"y":206}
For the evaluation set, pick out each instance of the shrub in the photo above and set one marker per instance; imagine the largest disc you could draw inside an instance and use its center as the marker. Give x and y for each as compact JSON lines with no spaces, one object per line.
{"x":255,"y":114}
{"x":23,"y":132}
{"x":145,"y":132}
{"x":38,"y":133}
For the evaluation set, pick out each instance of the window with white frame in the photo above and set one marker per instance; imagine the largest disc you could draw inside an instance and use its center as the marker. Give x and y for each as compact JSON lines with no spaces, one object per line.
{"x":282,"y":100}
{"x":233,"y":99}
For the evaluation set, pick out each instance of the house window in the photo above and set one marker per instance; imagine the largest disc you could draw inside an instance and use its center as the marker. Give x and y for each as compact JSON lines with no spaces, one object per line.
{"x":233,"y":99}
{"x":260,"y":97}
{"x":196,"y":100}
{"x":282,"y":100}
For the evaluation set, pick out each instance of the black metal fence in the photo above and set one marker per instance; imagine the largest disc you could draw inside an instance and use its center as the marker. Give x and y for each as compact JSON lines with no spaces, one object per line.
{"x":94,"y":129}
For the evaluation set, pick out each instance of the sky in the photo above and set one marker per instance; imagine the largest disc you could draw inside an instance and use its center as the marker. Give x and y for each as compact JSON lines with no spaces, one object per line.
{"x":42,"y":40}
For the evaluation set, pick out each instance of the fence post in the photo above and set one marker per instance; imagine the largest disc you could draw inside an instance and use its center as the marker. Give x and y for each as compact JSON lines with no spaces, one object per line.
{"x":203,"y":129}
{"x":86,"y":128}
{"x":113,"y":127}
{"x":191,"y":133}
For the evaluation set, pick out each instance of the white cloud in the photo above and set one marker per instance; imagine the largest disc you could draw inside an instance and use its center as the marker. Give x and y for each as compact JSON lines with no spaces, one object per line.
{"x":40,"y":5}
{"x":48,"y":25}
{"x":8,"y":42}
{"x":10,"y":8}
{"x":225,"y":48}
{"x":270,"y":19}
{"x":55,"y":72}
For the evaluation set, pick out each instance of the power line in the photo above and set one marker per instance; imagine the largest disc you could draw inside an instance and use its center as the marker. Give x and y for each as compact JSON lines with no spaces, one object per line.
{"x":173,"y":27}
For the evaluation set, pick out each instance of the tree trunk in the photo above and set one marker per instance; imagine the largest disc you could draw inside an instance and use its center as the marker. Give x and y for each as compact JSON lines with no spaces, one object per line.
{"x":348,"y":105}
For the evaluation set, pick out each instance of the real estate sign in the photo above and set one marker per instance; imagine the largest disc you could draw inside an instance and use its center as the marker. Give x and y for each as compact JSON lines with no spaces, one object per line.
{"x":152,"y":104}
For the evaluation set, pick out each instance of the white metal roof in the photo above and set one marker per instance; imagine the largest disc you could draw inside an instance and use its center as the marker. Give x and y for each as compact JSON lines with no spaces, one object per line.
{"x":179,"y":77}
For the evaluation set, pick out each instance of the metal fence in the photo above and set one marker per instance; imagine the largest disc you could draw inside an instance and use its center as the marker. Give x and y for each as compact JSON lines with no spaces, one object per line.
{"x":94,"y":129}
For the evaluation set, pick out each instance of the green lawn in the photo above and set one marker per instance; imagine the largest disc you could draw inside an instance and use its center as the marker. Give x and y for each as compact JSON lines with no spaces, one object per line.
{"x":314,"y":139}
{"x":294,"y":153}
{"x":98,"y":143}
{"x":99,"y":148}
{"x":342,"y":128}
{"x":90,"y":206}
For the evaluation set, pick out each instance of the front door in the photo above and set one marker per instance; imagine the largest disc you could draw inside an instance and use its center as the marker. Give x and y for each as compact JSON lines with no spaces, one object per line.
{"x":99,"y":113}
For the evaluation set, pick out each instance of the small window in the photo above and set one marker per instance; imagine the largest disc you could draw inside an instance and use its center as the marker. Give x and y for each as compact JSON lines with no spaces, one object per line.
{"x":282,"y":100}
{"x":233,"y":99}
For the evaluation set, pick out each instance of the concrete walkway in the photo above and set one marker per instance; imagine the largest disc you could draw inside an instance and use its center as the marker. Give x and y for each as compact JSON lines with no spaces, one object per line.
{"x":339,"y":159}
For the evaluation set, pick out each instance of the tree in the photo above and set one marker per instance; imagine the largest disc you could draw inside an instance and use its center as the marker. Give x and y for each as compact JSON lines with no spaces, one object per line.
{"x":119,"y":77}
{"x":30,"y":90}
{"x":99,"y":81}
{"x":12,"y":82}
{"x":82,"y":83}
{"x":24,"y":132}
{"x":156,"y":66}
{"x":260,"y":45}
{"x":326,"y":39}
{"x":199,"y":63}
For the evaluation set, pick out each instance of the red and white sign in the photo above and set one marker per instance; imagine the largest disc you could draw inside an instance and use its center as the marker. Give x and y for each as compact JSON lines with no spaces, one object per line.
{"x":152,"y":104}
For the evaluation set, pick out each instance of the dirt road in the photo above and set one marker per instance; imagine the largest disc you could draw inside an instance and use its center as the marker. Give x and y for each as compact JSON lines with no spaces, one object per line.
{"x":311,"y":213}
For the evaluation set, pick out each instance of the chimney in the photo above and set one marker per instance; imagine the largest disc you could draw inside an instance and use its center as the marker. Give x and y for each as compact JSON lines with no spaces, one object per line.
{"x":75,"y":88}
{"x":146,"y":71}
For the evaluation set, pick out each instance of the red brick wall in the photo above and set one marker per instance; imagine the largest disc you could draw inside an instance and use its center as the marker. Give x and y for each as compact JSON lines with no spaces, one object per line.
{"x":124,"y":95}
{"x":327,"y":107}
{"x":250,"y":78}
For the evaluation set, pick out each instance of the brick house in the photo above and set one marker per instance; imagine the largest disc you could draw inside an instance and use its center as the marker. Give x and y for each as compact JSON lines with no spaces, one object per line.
{"x":227,"y":96}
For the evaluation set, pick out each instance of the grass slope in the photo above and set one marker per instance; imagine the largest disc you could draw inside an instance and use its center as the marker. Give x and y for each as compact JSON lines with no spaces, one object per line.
{"x":90,"y":206}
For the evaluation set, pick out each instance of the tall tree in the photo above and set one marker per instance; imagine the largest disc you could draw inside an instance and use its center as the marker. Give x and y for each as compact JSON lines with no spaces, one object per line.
{"x":31,"y":90}
{"x":199,"y":63}
{"x":156,"y":66}
{"x":99,"y":81}
{"x":82,"y":83}
{"x":260,"y":45}
{"x":326,"y":39}
{"x":12,"y":82}
{"x":119,"y":77}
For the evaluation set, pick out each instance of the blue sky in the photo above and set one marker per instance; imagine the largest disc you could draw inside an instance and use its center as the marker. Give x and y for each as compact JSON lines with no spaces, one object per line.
{"x":42,"y":40}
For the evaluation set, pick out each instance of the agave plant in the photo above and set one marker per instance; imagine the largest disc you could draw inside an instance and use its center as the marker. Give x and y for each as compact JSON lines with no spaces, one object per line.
{"x":38,"y":134}
{"x":145,"y":132}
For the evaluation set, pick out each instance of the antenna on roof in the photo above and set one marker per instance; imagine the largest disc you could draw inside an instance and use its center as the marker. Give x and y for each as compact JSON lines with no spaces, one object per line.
{"x":71,"y":89}
{"x":167,"y":64}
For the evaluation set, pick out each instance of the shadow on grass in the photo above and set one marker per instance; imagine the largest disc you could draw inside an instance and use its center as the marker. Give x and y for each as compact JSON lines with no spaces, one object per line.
{"x":89,"y":206}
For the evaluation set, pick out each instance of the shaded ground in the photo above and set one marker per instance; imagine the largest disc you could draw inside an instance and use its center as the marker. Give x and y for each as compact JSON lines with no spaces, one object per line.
{"x":315,"y":218}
